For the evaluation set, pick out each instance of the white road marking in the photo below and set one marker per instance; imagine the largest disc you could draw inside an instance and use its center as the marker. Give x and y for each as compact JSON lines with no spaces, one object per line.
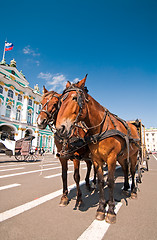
{"x":97,"y":229}
{"x":28,"y":164}
{"x":27,"y":206}
{"x":48,"y":164}
{"x":22,"y":173}
{"x":10,"y":186}
{"x":56,"y":175}
{"x":34,"y":171}
{"x":11,"y":169}
{"x":155,"y":157}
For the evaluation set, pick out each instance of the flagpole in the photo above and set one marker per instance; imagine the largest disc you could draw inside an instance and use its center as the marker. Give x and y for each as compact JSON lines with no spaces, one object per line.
{"x":4,"y":51}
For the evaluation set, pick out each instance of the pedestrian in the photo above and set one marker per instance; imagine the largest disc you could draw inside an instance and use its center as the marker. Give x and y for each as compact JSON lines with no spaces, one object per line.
{"x":43,"y":150}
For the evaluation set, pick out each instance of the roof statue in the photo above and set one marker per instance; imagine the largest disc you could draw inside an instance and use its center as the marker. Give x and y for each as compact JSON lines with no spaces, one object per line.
{"x":36,"y":88}
{"x":13,"y":63}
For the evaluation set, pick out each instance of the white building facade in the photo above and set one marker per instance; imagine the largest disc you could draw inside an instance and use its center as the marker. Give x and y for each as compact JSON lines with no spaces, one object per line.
{"x":20,"y":106}
{"x":151,"y":139}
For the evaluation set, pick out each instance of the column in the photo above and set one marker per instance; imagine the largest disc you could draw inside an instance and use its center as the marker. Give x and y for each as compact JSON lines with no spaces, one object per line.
{"x":3,"y":107}
{"x":13,"y":117}
{"x":24,"y":110}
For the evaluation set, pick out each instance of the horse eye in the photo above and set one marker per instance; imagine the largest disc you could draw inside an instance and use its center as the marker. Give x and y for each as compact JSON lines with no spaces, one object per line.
{"x":75,"y":98}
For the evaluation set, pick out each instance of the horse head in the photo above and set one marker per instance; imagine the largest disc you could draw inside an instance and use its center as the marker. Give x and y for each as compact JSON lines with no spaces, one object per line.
{"x":73,"y":108}
{"x":48,"y":113}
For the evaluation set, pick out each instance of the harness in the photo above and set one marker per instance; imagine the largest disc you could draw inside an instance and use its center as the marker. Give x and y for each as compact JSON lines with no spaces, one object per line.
{"x":50,"y":120}
{"x":77,"y":142}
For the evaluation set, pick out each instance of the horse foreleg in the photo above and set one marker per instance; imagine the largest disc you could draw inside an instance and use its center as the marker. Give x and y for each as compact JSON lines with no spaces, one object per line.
{"x":77,"y":180}
{"x":89,"y":166}
{"x":100,"y":215}
{"x":94,"y":179}
{"x":133,"y":170}
{"x":111,"y":216}
{"x":64,"y":199}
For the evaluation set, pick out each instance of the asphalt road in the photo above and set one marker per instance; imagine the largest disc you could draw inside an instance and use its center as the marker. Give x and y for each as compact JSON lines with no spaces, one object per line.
{"x":29,"y":204}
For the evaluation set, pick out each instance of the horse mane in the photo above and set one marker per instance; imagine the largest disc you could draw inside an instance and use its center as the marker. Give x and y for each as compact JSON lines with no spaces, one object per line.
{"x":48,"y":93}
{"x":74,"y":85}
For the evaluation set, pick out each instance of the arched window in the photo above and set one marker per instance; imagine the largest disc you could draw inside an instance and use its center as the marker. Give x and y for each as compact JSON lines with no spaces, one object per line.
{"x":44,"y":141}
{"x":8,"y":111}
{"x":29,"y":118}
{"x":18,"y":115}
{"x":30,"y":102}
{"x":10,"y":93}
{"x":1,"y":89}
{"x":38,"y":141}
{"x":20,"y":97}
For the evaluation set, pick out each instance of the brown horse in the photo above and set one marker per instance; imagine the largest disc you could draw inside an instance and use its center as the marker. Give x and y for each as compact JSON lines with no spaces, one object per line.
{"x":50,"y":106}
{"x":109,"y":138}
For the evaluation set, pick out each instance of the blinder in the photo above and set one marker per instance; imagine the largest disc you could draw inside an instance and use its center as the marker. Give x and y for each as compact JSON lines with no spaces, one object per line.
{"x":50,"y":115}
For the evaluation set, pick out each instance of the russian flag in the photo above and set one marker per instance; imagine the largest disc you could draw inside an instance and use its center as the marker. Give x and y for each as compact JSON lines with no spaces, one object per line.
{"x":9,"y":46}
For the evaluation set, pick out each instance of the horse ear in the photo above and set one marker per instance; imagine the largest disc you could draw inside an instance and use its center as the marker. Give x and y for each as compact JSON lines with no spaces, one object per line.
{"x":68,"y":84}
{"x":81,"y":84}
{"x":44,"y":90}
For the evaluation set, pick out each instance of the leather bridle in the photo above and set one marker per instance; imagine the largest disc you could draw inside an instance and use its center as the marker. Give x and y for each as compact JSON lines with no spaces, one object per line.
{"x":50,"y":120}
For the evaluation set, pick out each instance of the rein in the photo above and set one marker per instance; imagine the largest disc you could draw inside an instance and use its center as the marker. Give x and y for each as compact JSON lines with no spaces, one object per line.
{"x":50,"y":120}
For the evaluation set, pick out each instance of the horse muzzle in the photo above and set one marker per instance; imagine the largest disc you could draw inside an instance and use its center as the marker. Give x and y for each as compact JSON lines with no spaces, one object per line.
{"x":42,"y":123}
{"x":62,"y":132}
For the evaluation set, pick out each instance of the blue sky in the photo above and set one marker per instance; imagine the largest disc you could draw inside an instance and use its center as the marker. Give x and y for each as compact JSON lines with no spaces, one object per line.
{"x":115,"y":42}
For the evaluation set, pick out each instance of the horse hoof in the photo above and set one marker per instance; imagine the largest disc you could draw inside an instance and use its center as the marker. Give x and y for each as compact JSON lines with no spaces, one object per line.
{"x":100,"y":216}
{"x":79,"y":204}
{"x":110,"y":218}
{"x":134,"y":195}
{"x":93,"y":186}
{"x":64,"y":202}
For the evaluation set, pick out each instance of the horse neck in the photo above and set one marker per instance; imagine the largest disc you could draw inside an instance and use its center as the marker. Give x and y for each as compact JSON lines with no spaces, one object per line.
{"x":95,"y":113}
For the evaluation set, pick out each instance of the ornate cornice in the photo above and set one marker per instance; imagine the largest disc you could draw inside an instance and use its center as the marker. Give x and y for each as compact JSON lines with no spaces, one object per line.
{"x":26,"y":97}
{"x":2,"y":83}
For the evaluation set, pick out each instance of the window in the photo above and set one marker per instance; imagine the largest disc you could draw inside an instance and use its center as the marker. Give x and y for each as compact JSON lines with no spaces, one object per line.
{"x":146,"y":134}
{"x":44,"y":141}
{"x":1,"y":89}
{"x":29,"y":118}
{"x":39,"y":107}
{"x":152,"y":134}
{"x":18,"y":115}
{"x":38,"y":141}
{"x":49,"y":142}
{"x":20,"y":97}
{"x":30,"y":102}
{"x":10,"y":93}
{"x":8,"y":111}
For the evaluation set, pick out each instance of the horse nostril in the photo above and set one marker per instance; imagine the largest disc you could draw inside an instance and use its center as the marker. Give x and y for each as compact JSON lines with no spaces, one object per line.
{"x":41,"y":121}
{"x":62,"y":129}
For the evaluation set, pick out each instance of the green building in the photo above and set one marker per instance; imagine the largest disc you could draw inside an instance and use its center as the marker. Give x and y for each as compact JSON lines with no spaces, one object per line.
{"x":20,"y":106}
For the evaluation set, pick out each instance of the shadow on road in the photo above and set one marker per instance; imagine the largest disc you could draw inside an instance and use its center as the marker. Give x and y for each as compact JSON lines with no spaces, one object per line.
{"x":91,"y":198}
